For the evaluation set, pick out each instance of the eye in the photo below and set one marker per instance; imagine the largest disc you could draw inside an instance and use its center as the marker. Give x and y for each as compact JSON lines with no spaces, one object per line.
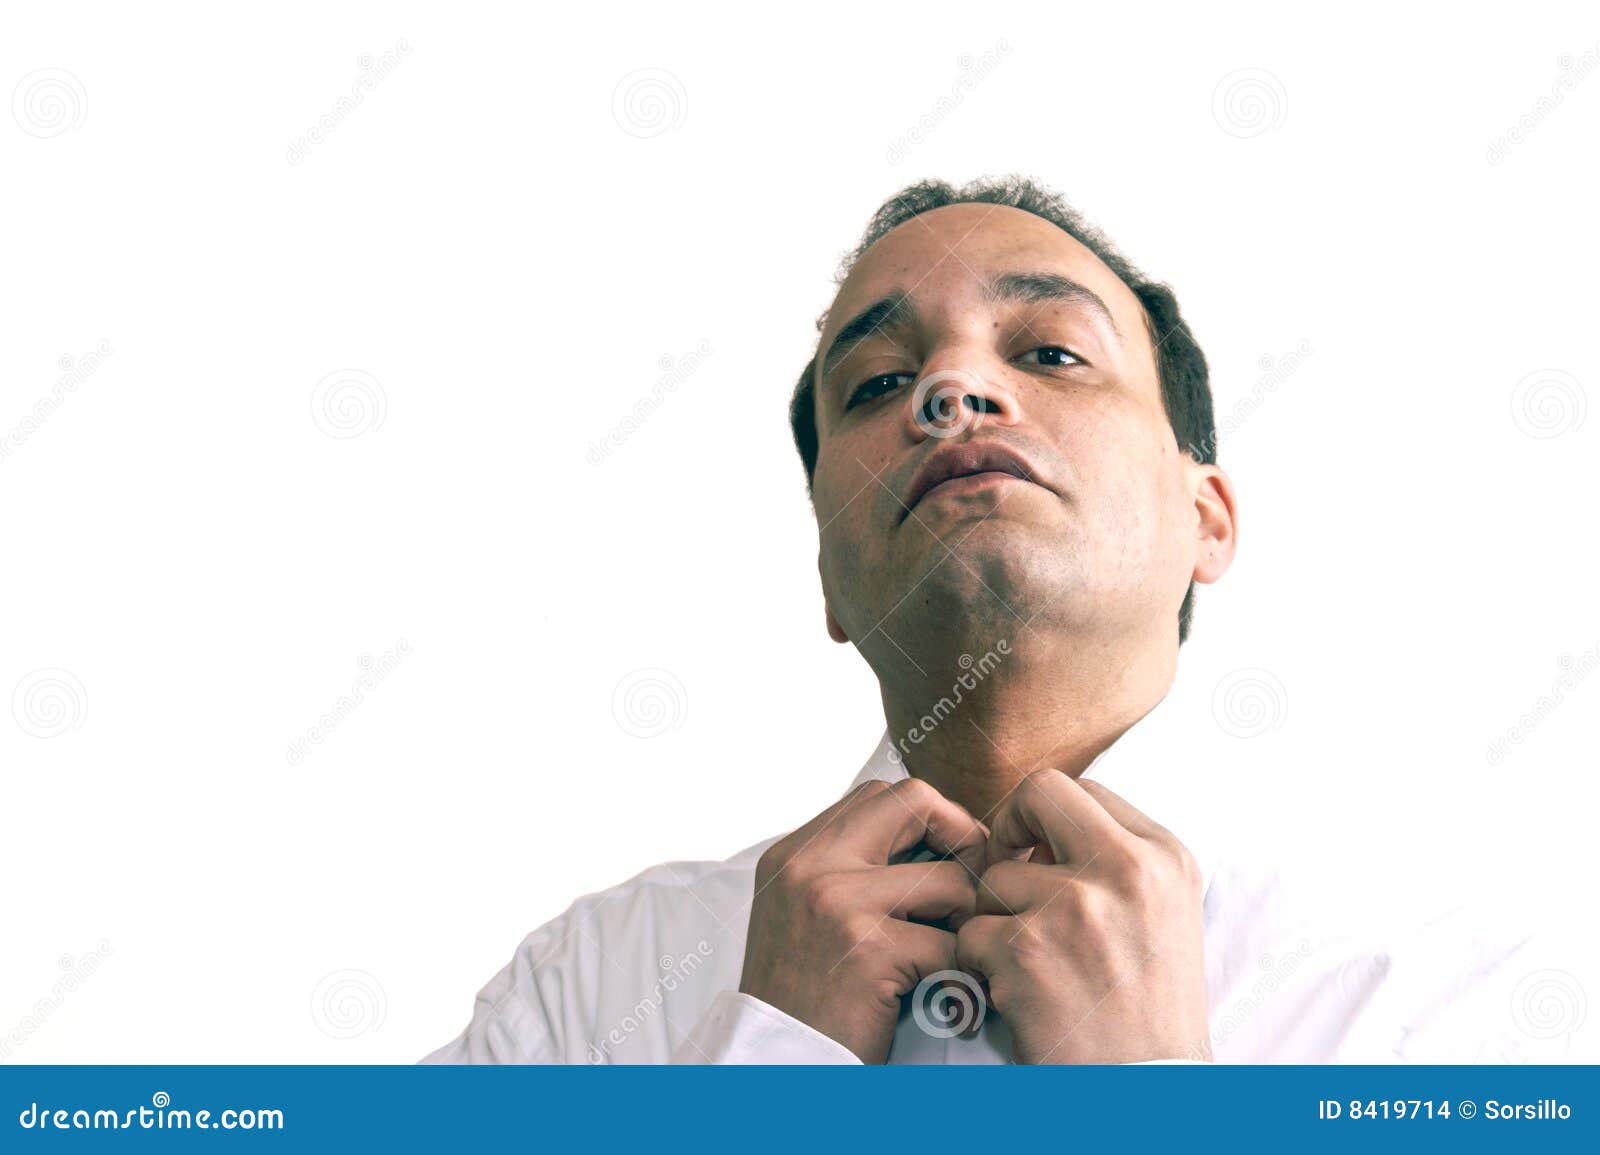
{"x":874,"y":387}
{"x":1052,"y":356}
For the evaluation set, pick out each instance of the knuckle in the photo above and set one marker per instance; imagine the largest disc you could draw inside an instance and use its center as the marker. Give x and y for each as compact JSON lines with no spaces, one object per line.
{"x":1094,"y":787}
{"x":773,"y":860}
{"x":1131,"y":869}
{"x":999,"y":876}
{"x":853,"y":801}
{"x":971,"y":944}
{"x":1189,"y":866}
{"x":951,"y":877}
{"x":865,"y":935}
{"x":825,"y":897}
{"x":884,"y":991}
{"x":1040,"y":781}
{"x":1082,"y":907}
{"x":865,"y":792}
{"x":1027,"y":949}
{"x":916,"y":791}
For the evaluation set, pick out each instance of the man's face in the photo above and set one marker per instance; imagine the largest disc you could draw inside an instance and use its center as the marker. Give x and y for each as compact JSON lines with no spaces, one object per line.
{"x":995,"y":345}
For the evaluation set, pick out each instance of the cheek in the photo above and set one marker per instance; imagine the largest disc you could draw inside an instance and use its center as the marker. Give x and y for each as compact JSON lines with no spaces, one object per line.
{"x":842,"y":492}
{"x":1130,"y":478}
{"x":837,"y":480}
{"x":846,"y":465}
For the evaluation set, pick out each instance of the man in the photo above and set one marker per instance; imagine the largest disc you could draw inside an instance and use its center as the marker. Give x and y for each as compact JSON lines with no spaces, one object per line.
{"x":1008,"y":435}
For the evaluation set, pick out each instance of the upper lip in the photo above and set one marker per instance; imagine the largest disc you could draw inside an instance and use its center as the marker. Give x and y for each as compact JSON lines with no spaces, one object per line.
{"x":961,"y":459}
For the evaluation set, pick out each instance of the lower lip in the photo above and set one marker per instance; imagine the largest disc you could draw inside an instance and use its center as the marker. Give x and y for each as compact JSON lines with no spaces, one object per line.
{"x":969,"y":483}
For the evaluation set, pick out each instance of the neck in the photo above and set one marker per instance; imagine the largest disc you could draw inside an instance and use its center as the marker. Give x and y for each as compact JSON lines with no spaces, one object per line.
{"x":1000,"y":713}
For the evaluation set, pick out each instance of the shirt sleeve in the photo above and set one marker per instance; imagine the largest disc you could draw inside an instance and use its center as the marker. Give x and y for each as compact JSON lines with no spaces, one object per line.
{"x":740,"y":1028}
{"x":538,"y":1008}
{"x":1498,"y":999}
{"x":511,"y":1017}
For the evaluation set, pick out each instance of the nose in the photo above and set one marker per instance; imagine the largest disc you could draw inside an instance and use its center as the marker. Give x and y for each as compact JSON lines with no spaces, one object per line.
{"x":950,"y":399}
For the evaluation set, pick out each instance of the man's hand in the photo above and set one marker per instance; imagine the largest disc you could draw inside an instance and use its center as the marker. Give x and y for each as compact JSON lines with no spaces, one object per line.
{"x":830,"y":939}
{"x":1093,"y":946}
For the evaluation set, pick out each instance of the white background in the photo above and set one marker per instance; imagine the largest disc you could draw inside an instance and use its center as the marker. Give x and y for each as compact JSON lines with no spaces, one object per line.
{"x":510,"y":232}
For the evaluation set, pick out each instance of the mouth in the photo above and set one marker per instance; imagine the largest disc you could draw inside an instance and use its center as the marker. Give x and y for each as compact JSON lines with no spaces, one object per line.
{"x":966,"y":467}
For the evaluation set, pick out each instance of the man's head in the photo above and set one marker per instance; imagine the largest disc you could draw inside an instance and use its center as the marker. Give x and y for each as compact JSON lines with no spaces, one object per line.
{"x":987,"y":330}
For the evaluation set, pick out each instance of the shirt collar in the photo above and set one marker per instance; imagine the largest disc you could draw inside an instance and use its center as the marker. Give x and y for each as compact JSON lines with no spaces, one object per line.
{"x":1156,"y":764}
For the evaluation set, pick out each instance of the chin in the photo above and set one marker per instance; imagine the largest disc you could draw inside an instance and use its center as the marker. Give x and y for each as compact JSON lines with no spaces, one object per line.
{"x":1001,"y":538}
{"x":996,"y":559}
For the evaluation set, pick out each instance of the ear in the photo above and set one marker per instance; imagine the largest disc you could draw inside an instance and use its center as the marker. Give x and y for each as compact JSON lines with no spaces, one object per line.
{"x":1216,"y":522}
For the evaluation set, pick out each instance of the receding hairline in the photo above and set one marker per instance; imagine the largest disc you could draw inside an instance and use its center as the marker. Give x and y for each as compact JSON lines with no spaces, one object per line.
{"x":852,"y":263}
{"x":1182,"y":374}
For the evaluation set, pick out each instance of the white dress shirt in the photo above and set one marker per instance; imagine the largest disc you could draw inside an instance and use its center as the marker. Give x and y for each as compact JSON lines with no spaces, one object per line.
{"x":648,"y":971}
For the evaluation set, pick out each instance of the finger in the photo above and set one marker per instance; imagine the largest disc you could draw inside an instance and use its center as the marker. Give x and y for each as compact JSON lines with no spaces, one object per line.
{"x":1013,"y":886}
{"x":907,"y":813}
{"x":827,"y":827}
{"x":981,"y":942}
{"x":927,"y":891}
{"x":832,"y":818}
{"x":1126,"y":813}
{"x":1050,"y":808}
{"x":920,"y":950}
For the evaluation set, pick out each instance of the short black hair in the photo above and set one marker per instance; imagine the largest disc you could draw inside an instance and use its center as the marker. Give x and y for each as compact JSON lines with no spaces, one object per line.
{"x":1185,"y":381}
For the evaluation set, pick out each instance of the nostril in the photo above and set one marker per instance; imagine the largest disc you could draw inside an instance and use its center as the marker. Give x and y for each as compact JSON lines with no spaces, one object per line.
{"x":938,"y":409}
{"x":942,"y":408}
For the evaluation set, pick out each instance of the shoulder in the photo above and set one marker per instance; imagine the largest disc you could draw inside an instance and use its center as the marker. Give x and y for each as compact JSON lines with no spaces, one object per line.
{"x":680,"y":907}
{"x":619,"y":971}
{"x":1372,"y":963}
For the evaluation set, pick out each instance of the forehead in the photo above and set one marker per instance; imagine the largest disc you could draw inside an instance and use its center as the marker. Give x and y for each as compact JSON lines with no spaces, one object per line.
{"x":943,"y":258}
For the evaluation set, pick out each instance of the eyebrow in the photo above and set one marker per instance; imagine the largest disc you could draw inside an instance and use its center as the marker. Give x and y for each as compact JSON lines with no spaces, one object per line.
{"x":887,"y":315}
{"x":895,"y":312}
{"x":1039,"y":288}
